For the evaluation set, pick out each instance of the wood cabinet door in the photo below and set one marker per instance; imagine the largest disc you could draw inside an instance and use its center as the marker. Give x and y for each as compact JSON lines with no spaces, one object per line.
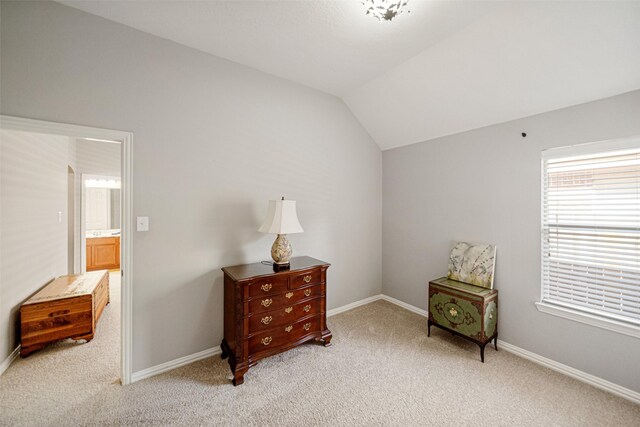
{"x":103,"y":253}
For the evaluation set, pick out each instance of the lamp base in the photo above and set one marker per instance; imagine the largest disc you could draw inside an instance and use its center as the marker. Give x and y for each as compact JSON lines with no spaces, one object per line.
{"x":281,"y":267}
{"x":281,"y":251}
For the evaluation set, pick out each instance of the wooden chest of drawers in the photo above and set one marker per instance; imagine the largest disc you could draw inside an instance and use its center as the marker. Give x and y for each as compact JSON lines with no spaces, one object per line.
{"x":267,"y":312}
{"x":465,"y":310}
{"x":68,"y":307}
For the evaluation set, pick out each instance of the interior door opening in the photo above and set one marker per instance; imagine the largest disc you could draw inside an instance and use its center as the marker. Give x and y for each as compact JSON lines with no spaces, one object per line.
{"x":66,"y":199}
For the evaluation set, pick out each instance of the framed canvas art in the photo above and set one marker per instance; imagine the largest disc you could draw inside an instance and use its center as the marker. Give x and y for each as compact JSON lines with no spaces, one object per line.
{"x":473,"y":264}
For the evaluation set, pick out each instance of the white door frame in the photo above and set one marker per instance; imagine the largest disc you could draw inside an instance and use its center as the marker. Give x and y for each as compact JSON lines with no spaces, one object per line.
{"x":126,"y":139}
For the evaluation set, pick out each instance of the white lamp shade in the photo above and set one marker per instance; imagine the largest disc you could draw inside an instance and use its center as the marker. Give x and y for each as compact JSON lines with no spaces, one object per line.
{"x":281,"y":218}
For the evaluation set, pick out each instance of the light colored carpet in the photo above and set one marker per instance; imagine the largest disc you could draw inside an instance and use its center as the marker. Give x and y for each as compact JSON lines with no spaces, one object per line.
{"x":381,"y":370}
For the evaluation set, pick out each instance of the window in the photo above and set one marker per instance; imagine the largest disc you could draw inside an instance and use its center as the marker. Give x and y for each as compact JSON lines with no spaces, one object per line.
{"x":591,"y":234}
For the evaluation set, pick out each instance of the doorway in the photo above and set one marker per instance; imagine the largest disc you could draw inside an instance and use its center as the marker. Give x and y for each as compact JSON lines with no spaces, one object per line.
{"x":74,"y":237}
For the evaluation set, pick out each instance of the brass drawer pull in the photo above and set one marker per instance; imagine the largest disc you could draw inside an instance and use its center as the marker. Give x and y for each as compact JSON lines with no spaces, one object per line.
{"x":307,"y":292}
{"x":266,"y":340}
{"x":266,"y":287}
{"x":266,"y":302}
{"x":266,"y":320}
{"x":307,"y":326}
{"x":288,"y":310}
{"x":307,"y":308}
{"x":307,"y":278}
{"x":288,"y":328}
{"x":289,"y":294}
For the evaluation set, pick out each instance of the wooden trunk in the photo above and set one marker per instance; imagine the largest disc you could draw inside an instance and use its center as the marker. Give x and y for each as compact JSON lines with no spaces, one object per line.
{"x":268,"y":312}
{"x":68,"y":307}
{"x":465,"y":310}
{"x":103,"y":253}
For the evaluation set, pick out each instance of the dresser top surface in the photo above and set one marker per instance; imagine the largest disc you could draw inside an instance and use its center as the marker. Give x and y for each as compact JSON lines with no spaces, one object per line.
{"x":256,"y":269}
{"x":454,"y":284}
{"x":68,"y":286}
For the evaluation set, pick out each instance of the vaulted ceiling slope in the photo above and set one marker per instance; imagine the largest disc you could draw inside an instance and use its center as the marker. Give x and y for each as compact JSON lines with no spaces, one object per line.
{"x":447,"y":67}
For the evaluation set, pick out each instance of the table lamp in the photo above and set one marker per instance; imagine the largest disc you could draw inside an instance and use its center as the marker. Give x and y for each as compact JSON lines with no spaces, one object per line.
{"x":281,"y":219}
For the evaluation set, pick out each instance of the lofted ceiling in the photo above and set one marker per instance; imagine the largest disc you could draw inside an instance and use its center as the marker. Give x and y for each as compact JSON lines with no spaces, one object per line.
{"x":447,"y":67}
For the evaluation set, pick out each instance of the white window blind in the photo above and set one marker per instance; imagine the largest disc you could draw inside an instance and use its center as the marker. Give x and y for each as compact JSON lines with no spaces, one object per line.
{"x":591,"y":231}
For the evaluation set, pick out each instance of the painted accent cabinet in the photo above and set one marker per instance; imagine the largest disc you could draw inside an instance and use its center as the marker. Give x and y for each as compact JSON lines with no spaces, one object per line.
{"x":468,"y":311}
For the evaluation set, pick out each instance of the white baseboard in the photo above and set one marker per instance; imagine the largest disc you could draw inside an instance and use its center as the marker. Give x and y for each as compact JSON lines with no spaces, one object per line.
{"x":9,"y":360}
{"x":597,"y":382}
{"x":404,"y":305}
{"x":173,"y":364}
{"x":592,"y":380}
{"x":353,"y":305}
{"x":176,"y":363}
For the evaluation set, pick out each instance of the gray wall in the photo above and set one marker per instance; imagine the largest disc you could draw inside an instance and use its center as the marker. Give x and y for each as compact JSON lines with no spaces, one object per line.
{"x":484,"y":186}
{"x":213,"y":142}
{"x":34,"y":242}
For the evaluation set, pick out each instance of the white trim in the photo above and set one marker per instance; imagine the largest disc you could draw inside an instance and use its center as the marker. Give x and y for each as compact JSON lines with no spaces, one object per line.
{"x":406,"y":306}
{"x":54,"y":128}
{"x":589,"y":319}
{"x":126,"y":139}
{"x":353,"y":305}
{"x":185,"y":360}
{"x":9,"y":360}
{"x":173,"y":364}
{"x":592,"y":147}
{"x":592,"y":380}
{"x":597,"y":382}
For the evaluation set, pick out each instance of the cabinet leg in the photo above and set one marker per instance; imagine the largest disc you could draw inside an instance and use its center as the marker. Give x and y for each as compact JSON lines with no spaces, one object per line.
{"x":482,"y":351}
{"x":495,"y":342}
{"x":238,"y":380}
{"x":325,"y":338}
{"x":428,"y":328}
{"x":87,"y":337}
{"x":238,"y":376}
{"x":26,"y":351}
{"x":225,"y":350}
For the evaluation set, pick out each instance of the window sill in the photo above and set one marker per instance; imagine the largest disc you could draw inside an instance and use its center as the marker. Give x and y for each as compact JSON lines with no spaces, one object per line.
{"x":589,"y":319}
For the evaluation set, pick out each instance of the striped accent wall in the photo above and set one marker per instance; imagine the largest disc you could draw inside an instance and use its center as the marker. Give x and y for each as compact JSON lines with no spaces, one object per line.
{"x":33,"y":225}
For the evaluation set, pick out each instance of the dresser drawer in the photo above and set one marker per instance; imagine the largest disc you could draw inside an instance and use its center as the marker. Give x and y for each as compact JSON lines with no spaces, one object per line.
{"x":268,"y":286}
{"x":311,"y":277}
{"x":287,"y":299}
{"x":283,"y":316}
{"x":283,"y":335}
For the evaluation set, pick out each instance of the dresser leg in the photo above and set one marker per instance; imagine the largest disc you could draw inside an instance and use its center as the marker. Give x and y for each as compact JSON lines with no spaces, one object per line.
{"x":238,"y":375}
{"x":482,"y":352}
{"x":428,"y":328}
{"x":495,"y":342}
{"x":325,"y":338}
{"x":225,"y":350}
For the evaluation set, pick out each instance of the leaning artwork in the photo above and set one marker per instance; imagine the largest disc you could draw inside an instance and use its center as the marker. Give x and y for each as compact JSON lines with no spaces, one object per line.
{"x":473,"y":264}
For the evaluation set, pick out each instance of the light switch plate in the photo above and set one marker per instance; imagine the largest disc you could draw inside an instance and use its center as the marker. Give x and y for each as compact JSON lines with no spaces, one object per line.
{"x":142,"y":223}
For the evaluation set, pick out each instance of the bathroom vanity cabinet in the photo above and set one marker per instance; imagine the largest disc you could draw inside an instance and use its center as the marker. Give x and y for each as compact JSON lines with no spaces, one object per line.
{"x":103,"y":253}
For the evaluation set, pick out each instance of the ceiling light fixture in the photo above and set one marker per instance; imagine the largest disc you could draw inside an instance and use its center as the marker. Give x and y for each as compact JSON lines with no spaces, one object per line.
{"x":385,"y":10}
